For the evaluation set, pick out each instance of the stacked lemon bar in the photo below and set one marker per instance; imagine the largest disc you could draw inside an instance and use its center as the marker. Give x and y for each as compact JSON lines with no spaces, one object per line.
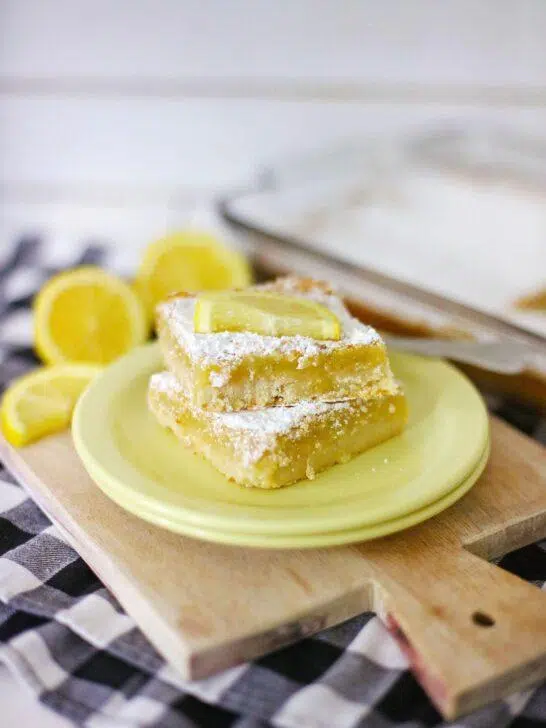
{"x":273,"y":383}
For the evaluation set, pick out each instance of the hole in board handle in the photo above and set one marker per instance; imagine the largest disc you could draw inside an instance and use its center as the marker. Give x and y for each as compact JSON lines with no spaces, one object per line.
{"x":482,"y":620}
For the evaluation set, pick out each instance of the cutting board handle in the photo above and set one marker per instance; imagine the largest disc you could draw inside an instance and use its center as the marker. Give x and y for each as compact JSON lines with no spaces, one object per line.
{"x":469,"y":628}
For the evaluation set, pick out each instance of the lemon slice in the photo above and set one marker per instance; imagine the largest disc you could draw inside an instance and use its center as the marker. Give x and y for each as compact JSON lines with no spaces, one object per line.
{"x":42,"y":402}
{"x":87,"y":315}
{"x":189,"y":261}
{"x":265,"y":313}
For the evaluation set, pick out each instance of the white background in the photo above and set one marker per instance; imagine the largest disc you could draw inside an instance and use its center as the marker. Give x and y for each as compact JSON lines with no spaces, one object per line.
{"x":142,"y":107}
{"x":114,"y":115}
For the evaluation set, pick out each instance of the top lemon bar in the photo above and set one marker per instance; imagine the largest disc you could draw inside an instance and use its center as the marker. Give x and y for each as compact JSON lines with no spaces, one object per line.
{"x":236,"y":370}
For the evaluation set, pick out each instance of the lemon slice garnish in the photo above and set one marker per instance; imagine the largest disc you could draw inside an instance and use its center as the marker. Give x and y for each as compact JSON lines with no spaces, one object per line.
{"x":265,"y":313}
{"x":42,"y":402}
{"x":87,"y":315}
{"x":189,"y":261}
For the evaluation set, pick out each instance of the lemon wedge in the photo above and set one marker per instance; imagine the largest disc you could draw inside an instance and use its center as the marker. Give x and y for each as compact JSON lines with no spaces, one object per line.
{"x":42,"y":402}
{"x":189,"y":261}
{"x":265,"y":313}
{"x":87,"y":315}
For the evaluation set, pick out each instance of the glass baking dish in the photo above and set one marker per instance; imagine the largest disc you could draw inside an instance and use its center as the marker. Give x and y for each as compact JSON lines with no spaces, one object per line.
{"x":438,"y":233}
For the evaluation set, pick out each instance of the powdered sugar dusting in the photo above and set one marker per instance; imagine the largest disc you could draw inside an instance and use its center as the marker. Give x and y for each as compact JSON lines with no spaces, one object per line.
{"x":277,"y":420}
{"x":271,"y":420}
{"x":252,"y":432}
{"x":218,"y":379}
{"x":227,"y":349}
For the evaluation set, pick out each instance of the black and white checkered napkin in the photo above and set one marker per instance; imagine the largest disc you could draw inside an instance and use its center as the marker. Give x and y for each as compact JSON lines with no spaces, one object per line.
{"x":69,"y":640}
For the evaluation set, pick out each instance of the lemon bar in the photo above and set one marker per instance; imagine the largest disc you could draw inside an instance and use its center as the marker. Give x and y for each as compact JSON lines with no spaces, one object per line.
{"x":242,"y":370}
{"x":276,"y":446}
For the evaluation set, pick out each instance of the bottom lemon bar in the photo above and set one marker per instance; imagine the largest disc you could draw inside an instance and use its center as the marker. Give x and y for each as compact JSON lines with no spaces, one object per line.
{"x":277,"y":446}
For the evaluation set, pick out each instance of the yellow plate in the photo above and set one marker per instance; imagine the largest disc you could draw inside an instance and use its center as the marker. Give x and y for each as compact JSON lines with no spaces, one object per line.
{"x":336,"y":538}
{"x":397,"y":484}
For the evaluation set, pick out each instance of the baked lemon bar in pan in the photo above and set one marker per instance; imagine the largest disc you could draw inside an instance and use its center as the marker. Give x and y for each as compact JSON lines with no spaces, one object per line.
{"x":277,"y":446}
{"x":238,"y":370}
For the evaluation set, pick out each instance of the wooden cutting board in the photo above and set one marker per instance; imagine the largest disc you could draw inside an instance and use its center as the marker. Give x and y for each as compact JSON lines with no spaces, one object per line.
{"x":473,"y":631}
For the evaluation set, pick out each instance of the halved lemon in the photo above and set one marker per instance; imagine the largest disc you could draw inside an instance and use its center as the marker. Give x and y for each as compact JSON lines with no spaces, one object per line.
{"x":265,"y":313}
{"x":42,"y":402}
{"x":87,"y":315}
{"x":189,"y":261}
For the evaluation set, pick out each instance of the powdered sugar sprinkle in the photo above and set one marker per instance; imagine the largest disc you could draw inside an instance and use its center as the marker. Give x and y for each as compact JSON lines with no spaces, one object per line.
{"x":227,"y":349}
{"x":252,"y":431}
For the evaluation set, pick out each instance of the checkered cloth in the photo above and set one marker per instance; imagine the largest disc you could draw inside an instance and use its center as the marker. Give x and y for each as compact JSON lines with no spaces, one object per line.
{"x":69,"y":640}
